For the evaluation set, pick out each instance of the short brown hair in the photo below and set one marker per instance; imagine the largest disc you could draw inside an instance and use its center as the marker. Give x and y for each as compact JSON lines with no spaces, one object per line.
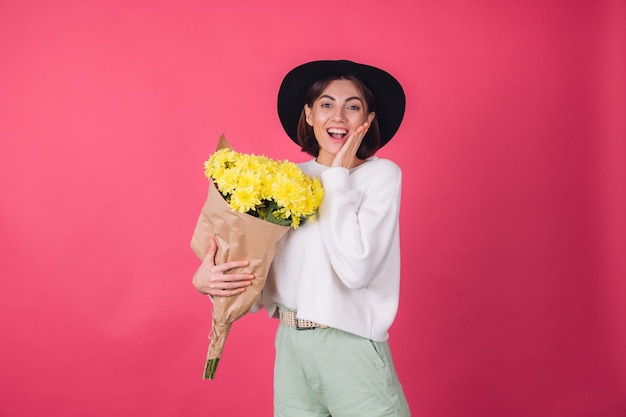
{"x":306,"y":135}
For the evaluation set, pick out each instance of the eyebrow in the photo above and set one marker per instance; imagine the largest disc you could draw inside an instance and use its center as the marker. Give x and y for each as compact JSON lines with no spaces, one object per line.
{"x":348,"y":99}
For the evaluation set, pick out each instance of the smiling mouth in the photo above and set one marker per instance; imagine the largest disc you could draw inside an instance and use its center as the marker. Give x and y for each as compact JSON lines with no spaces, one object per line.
{"x":336,"y":133}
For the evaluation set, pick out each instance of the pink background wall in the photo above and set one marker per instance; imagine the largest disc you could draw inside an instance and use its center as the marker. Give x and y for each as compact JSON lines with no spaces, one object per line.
{"x":513,"y":211}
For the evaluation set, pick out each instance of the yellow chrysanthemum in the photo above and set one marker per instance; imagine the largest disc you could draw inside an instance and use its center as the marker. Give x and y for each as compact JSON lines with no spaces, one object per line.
{"x":227,"y":182}
{"x":277,"y":191}
{"x":288,"y":194}
{"x":244,"y":199}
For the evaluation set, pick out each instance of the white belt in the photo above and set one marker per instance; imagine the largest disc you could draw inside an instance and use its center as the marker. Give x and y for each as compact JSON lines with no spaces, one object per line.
{"x":288,"y":318}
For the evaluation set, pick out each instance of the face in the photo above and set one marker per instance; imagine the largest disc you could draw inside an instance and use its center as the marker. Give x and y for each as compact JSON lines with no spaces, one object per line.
{"x":334,"y":116}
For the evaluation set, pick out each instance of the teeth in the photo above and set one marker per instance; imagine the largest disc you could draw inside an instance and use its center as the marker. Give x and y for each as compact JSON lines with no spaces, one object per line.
{"x":338,"y":131}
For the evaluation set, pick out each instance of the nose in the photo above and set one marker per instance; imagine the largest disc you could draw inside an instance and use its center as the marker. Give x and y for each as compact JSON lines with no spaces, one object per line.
{"x":338,"y":114}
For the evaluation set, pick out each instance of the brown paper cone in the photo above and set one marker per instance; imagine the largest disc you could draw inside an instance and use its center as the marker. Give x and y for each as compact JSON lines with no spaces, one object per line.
{"x":239,"y":236}
{"x":218,"y":336}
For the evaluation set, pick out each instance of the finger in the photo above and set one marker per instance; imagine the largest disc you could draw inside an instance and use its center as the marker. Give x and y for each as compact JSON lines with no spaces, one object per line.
{"x":227,"y":266}
{"x":229,"y":280}
{"x":361,"y":131}
{"x":234,"y":286}
{"x":234,"y":282}
{"x":231,"y":285}
{"x":354,"y":141}
{"x":223,"y":292}
{"x":210,"y":255}
{"x":364,"y":128}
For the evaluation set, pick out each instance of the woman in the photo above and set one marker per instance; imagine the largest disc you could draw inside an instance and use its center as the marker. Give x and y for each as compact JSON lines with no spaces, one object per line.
{"x":334,"y":282}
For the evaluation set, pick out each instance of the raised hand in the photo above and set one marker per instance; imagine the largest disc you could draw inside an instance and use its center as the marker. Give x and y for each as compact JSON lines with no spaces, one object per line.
{"x":346,"y":157}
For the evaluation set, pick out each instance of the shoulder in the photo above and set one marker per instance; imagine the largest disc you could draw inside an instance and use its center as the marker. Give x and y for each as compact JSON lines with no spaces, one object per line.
{"x":384,"y":164}
{"x":311,"y":168}
{"x":380,"y":170}
{"x":306,"y":164}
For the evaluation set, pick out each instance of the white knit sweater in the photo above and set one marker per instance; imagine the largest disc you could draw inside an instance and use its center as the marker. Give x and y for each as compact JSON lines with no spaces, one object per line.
{"x":343,"y":269}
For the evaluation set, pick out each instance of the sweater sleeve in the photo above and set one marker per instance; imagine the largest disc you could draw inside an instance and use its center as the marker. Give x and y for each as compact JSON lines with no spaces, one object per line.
{"x":359,"y":219}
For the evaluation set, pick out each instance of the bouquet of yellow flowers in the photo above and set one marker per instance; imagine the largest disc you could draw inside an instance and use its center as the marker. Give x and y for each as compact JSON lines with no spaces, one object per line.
{"x":275,"y":191}
{"x":252,"y":202}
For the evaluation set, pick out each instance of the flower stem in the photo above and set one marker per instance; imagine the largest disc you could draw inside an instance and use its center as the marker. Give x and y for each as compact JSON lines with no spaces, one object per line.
{"x":210,"y":367}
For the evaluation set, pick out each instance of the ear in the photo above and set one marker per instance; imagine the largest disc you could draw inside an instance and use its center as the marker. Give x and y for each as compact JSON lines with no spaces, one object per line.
{"x":370,"y":117}
{"x":307,"y":114}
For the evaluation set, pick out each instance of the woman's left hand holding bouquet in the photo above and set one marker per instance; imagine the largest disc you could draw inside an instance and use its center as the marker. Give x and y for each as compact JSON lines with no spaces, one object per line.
{"x":215,"y":280}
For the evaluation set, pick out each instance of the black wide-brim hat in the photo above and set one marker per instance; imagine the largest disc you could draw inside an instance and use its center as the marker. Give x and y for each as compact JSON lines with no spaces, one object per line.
{"x":387,"y":91}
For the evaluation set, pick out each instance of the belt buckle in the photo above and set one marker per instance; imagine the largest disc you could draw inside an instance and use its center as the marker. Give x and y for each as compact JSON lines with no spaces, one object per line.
{"x":302,"y":328}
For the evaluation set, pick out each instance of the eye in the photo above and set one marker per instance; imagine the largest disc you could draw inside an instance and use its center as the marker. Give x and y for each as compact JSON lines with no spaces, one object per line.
{"x":354,"y":107}
{"x":326,"y":105}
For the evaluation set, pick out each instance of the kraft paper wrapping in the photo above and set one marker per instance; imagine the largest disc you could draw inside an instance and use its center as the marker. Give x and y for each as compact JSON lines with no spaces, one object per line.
{"x":239,"y":236}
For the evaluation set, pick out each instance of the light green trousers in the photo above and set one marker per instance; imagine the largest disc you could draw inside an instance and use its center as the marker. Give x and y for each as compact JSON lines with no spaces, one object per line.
{"x":328,"y":372}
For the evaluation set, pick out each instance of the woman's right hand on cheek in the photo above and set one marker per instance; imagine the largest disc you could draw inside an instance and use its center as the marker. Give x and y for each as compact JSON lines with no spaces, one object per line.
{"x":215,"y":280}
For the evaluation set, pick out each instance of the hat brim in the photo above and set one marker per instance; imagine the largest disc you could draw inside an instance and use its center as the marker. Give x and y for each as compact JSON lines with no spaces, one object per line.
{"x":387,"y":91}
